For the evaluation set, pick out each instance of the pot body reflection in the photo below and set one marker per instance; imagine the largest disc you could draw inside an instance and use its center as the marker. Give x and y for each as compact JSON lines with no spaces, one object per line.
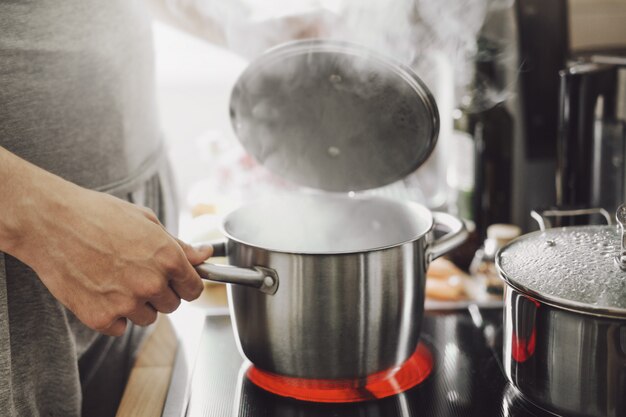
{"x":333,"y":317}
{"x":566,"y":362}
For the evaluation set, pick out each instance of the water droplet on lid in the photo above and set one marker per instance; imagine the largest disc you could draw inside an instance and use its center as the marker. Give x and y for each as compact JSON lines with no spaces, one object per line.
{"x":580,"y":268}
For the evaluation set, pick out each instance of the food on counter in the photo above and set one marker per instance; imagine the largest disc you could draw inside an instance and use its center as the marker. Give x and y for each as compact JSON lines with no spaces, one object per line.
{"x":445,"y":281}
{"x":443,"y":268}
{"x":203,"y":208}
{"x":483,"y":266}
{"x":449,"y":289}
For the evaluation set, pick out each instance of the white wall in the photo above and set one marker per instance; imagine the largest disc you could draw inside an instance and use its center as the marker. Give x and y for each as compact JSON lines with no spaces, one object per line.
{"x":597,"y":23}
{"x":194,"y":80}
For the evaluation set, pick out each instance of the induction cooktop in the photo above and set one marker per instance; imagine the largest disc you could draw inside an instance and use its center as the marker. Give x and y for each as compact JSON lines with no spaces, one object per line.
{"x":467,"y":377}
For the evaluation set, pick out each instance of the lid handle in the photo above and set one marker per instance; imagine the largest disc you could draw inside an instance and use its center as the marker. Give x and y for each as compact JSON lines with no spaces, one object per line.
{"x":540,"y":215}
{"x":620,"y":215}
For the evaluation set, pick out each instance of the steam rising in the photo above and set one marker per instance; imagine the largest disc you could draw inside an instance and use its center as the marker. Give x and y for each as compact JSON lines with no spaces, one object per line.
{"x":414,"y":32}
{"x":436,"y":38}
{"x":322,"y":224}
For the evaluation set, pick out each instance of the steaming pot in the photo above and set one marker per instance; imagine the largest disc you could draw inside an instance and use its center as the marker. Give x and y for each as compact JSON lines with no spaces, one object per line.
{"x":346,"y":303}
{"x":565,"y":317}
{"x":331,"y":286}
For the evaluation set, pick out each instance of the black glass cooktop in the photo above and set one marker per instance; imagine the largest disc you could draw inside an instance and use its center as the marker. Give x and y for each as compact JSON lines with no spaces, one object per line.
{"x":467,"y":380}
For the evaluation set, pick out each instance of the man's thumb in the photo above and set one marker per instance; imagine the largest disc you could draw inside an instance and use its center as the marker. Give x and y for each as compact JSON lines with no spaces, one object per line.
{"x":196,"y":254}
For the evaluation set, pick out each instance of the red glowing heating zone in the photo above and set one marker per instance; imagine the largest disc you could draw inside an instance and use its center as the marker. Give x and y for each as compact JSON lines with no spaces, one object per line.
{"x":379,"y":385}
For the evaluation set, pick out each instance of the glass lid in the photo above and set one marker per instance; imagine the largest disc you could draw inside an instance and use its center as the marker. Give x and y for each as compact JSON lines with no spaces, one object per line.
{"x":578,"y":268}
{"x":334,"y":116}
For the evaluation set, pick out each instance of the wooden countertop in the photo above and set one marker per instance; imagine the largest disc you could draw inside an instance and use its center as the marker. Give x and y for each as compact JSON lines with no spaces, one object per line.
{"x":149,"y":379}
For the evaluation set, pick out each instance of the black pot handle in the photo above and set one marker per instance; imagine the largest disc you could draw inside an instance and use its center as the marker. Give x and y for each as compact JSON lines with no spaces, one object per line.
{"x":220,"y":248}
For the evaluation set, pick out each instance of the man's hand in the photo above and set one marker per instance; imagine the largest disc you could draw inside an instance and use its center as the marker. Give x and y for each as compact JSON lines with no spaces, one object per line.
{"x":103,"y":258}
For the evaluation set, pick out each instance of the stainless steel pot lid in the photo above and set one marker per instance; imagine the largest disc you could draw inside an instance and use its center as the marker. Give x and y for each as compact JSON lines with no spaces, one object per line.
{"x":334,"y":116}
{"x":572,"y":267}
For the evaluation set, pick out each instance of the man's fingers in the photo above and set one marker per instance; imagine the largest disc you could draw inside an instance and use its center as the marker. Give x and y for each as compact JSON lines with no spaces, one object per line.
{"x":117,"y":328}
{"x":188,"y":285}
{"x":196,"y":255}
{"x":166,"y":302}
{"x":144,"y":315}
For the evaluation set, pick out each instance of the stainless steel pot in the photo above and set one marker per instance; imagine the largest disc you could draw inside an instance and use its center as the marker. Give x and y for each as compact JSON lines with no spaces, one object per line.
{"x":338,"y":282}
{"x":565,"y":319}
{"x":341,"y":281}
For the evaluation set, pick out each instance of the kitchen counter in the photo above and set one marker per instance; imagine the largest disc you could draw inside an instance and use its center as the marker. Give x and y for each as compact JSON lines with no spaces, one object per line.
{"x":467,"y":344}
{"x":149,"y":380}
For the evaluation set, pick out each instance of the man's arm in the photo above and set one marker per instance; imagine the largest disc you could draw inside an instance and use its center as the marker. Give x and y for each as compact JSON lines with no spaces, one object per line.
{"x":103,"y":258}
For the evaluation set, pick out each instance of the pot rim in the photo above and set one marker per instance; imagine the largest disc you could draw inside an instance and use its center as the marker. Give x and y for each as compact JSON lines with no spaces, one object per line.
{"x":558,"y":302}
{"x":413,"y":205}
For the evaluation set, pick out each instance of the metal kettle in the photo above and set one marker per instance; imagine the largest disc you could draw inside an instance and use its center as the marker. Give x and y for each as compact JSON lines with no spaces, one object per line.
{"x":591,"y":147}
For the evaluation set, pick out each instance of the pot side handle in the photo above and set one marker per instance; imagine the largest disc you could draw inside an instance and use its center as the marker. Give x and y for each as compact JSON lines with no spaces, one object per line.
{"x":457,"y":233}
{"x":261,"y":278}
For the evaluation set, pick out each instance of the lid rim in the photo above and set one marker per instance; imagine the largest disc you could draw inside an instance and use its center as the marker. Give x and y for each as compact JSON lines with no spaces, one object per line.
{"x":557,"y":302}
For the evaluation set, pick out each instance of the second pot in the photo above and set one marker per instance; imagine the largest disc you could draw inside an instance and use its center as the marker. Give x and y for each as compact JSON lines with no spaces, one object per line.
{"x":565,"y":317}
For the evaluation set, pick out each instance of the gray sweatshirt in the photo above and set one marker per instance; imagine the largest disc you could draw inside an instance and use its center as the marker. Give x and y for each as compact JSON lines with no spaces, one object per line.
{"x":77,"y":99}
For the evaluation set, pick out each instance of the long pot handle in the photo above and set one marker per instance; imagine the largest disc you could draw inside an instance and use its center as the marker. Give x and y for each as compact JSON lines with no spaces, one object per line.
{"x":457,"y":233}
{"x":261,"y":278}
